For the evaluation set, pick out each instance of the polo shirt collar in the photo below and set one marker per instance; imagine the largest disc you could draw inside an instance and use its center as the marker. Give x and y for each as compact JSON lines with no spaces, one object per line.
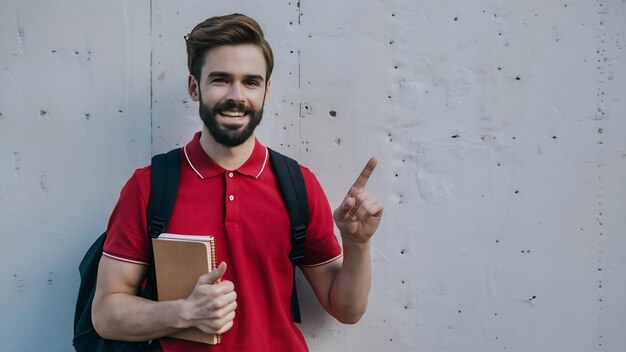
{"x":205,"y":167}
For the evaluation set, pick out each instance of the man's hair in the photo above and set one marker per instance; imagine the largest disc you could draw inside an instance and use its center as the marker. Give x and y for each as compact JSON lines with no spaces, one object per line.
{"x":233,"y":29}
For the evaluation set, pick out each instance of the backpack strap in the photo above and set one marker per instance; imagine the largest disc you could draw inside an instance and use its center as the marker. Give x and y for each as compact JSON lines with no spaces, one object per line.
{"x":165,"y":175}
{"x":164,"y":178}
{"x":293,"y":190}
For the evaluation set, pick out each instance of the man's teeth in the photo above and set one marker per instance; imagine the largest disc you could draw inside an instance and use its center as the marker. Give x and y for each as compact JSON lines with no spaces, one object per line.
{"x":233,"y":113}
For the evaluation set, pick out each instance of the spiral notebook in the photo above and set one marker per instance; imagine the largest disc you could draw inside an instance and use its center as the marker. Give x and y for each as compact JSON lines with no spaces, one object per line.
{"x":179,"y":261}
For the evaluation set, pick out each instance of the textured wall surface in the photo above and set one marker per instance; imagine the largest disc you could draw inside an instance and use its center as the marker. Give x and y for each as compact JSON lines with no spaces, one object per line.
{"x":499,"y":127}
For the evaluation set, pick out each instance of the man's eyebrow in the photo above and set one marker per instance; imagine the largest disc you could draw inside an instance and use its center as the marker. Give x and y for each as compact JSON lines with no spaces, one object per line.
{"x":219,"y":74}
{"x":255,"y":77}
{"x":226,"y":74}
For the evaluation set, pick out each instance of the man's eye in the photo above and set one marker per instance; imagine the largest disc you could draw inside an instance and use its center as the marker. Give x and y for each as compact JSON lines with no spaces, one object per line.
{"x":218,"y":80}
{"x":252,"y":83}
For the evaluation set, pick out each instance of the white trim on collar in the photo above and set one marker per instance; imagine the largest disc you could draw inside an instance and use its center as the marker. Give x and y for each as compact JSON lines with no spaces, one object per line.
{"x":267,"y":154}
{"x":190,"y":164}
{"x":264,"y":163}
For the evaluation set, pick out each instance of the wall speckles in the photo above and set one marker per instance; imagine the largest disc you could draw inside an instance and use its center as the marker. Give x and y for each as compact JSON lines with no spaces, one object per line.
{"x":607,"y":51}
{"x":16,"y":164}
{"x":19,"y":283}
{"x":43,"y":187}
{"x":21,"y":40}
{"x":306,"y":110}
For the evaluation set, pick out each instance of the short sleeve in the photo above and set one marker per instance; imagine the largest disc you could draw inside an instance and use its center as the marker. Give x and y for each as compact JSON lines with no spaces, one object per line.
{"x":127,"y":237}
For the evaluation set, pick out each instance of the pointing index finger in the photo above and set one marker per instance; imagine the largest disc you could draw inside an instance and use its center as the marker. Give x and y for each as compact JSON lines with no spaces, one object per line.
{"x":361,"y":181}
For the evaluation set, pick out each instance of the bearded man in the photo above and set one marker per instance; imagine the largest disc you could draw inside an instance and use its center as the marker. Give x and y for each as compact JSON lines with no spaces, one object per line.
{"x":228,"y":190}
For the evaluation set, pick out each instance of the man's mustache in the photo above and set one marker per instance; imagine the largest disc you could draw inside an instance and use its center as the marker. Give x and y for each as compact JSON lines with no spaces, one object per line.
{"x":232,"y":105}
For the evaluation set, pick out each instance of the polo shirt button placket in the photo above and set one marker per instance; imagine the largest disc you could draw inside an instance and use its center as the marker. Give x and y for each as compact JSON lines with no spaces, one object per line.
{"x":230,"y":206}
{"x":231,"y":197}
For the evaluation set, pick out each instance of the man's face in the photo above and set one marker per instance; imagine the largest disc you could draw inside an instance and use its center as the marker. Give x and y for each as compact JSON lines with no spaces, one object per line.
{"x":231,"y":92}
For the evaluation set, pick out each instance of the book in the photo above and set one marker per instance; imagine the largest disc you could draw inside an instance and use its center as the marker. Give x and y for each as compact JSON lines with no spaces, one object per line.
{"x":179,"y":261}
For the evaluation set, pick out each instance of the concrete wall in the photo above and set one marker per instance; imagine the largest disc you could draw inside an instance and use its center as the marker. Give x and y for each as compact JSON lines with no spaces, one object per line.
{"x":498,"y":125}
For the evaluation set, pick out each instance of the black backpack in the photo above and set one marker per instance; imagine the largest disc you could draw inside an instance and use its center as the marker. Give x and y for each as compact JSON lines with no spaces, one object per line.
{"x":165,"y":177}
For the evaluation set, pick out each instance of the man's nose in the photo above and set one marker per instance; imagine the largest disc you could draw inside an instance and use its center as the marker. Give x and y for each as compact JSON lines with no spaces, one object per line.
{"x":236,"y":92}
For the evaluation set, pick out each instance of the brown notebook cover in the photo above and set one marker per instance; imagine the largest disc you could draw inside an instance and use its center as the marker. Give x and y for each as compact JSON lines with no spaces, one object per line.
{"x":179,"y":261}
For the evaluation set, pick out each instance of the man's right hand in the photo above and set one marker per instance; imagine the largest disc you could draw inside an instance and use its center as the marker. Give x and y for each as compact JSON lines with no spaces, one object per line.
{"x":118,"y":314}
{"x":211,"y":306}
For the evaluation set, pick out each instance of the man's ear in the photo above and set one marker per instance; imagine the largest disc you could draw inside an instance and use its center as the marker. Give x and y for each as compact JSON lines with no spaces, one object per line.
{"x":192,"y":87}
{"x":267,"y":92}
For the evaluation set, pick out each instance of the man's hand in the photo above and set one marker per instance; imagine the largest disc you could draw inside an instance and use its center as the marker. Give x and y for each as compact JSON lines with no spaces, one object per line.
{"x":360,"y":213}
{"x":211,"y":305}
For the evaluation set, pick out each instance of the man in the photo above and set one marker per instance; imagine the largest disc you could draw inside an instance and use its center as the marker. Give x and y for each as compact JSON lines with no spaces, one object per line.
{"x":228,"y":190}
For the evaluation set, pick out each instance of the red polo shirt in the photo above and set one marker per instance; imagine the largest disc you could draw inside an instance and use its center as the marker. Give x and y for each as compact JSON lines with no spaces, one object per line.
{"x":244,"y":211}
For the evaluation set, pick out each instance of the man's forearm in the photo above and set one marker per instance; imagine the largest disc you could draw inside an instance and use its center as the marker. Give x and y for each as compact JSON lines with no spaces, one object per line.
{"x":350,"y":289}
{"x":125,"y":317}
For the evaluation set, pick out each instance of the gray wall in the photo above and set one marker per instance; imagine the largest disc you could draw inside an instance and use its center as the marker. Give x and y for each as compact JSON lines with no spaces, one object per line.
{"x":499,"y":126}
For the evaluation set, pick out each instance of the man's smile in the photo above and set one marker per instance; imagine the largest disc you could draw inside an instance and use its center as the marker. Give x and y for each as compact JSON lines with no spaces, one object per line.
{"x":233,"y":113}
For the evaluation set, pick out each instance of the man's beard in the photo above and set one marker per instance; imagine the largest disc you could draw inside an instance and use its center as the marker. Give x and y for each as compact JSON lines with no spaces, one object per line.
{"x":230,"y":136}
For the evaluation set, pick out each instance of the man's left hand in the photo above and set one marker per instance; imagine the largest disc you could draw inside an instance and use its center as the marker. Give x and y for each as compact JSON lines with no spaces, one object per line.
{"x":360,"y":213}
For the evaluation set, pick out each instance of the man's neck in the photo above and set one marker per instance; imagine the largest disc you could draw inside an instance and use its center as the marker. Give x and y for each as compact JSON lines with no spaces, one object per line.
{"x":230,"y":158}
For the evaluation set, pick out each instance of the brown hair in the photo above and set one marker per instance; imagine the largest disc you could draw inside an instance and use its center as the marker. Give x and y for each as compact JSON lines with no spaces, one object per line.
{"x":233,"y":29}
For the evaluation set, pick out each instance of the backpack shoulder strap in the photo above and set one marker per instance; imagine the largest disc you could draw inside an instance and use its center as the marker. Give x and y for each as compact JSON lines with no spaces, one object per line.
{"x":165,"y":175}
{"x":293,"y":190}
{"x":163,"y":190}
